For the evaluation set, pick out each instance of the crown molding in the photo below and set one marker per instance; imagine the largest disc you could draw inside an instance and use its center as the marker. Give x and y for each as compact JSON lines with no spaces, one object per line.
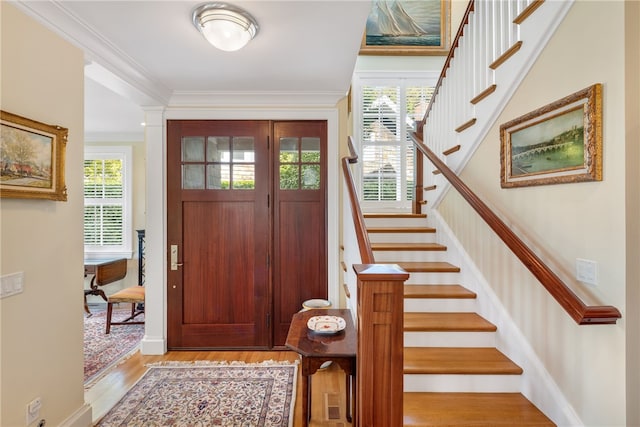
{"x":255,"y":99}
{"x":133,"y":81}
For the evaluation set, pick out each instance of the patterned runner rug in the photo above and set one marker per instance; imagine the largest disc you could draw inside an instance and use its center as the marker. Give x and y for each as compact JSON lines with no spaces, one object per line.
{"x":102,"y":351}
{"x":209,"y":394}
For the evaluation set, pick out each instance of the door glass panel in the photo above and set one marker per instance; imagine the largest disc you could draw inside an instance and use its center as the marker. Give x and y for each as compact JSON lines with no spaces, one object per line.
{"x":243,"y":150}
{"x":218,"y":149}
{"x":244,"y":177}
{"x":311,"y":150}
{"x":288,"y":150}
{"x":193,"y":149}
{"x":311,"y":177}
{"x":217,"y":177}
{"x":289,"y":177}
{"x":193,"y":177}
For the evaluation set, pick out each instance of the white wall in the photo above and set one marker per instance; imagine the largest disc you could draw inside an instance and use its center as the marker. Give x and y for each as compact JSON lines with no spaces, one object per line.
{"x":41,"y":328}
{"x":583,"y":220}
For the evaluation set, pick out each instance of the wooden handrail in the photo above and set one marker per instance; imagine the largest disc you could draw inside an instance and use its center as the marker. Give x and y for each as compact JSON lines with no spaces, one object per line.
{"x":572,"y":304}
{"x":364,"y":245}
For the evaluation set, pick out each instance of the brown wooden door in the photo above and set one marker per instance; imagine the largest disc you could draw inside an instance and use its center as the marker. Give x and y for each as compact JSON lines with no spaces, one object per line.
{"x":218,"y":220}
{"x":300,"y":219}
{"x":248,"y":222}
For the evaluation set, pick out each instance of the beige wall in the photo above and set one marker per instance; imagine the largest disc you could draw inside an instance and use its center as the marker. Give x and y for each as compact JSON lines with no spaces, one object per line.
{"x":632,"y":140}
{"x":138,"y":152}
{"x":582,"y":220}
{"x":41,"y":328}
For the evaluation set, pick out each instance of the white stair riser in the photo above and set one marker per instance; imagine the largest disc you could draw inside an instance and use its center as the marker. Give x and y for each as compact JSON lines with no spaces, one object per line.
{"x":402,"y":237}
{"x":449,"y":339}
{"x":433,"y":278}
{"x":396,"y":222}
{"x":462,"y":383}
{"x":409,"y":256}
{"x":433,"y":305}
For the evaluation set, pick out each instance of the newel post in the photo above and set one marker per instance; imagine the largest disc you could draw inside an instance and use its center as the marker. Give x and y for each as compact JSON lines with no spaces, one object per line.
{"x":379,"y":363}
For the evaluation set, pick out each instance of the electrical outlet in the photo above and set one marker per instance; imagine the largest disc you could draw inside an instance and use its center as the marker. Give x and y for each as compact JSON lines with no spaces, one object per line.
{"x":587,"y":271}
{"x":33,"y":410}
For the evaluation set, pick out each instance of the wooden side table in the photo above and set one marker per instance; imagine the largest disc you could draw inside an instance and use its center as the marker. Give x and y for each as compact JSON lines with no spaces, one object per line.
{"x":317,"y":349}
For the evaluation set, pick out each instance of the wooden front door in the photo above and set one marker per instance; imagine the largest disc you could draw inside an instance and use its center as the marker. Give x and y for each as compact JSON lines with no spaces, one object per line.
{"x":243,"y":224}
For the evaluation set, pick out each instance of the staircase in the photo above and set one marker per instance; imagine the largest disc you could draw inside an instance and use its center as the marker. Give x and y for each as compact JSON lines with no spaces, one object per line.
{"x":453,"y":373}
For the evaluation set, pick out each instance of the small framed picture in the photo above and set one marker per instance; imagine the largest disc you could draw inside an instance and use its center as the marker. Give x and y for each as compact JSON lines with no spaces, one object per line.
{"x":558,"y":143}
{"x":32,"y":159}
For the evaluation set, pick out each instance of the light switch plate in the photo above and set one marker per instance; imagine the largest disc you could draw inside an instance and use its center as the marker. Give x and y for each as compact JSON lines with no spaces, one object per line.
{"x":587,"y":271}
{"x":11,"y":284}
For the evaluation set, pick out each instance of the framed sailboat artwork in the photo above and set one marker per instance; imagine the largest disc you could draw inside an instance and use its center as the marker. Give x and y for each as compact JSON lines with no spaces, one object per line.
{"x":408,"y":27}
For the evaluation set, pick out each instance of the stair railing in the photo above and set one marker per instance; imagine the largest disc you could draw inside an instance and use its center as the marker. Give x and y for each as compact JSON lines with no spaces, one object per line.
{"x":570,"y":302}
{"x":364,"y":245}
{"x":378,"y":291}
{"x":467,"y":100}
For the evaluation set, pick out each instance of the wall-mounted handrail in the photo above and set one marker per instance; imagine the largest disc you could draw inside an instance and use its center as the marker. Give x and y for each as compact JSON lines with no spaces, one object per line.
{"x":570,"y":302}
{"x":364,"y":245}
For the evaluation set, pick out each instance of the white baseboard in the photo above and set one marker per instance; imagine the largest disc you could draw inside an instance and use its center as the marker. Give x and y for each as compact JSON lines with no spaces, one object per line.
{"x":80,"y":418}
{"x":153,"y":345}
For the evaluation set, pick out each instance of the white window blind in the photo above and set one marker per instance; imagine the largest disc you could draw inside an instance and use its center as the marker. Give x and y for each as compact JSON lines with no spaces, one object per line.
{"x":386,"y":111}
{"x":107,"y":202}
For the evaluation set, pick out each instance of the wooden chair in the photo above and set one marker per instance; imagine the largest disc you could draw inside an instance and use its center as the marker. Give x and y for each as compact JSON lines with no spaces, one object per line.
{"x":133,"y":295}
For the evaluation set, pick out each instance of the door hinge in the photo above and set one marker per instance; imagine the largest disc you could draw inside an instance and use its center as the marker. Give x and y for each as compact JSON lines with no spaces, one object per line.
{"x":268,"y":200}
{"x":268,"y":320}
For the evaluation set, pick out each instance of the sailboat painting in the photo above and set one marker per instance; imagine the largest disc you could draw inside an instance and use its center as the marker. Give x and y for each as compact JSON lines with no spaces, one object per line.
{"x":407,"y":27}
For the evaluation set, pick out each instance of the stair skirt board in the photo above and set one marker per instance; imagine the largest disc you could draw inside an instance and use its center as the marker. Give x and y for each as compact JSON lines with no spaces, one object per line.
{"x":469,"y":383}
{"x":449,"y":339}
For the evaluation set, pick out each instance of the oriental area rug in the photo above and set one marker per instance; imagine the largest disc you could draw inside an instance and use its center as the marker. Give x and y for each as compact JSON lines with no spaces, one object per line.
{"x":228,"y":394}
{"x":103,"y":351}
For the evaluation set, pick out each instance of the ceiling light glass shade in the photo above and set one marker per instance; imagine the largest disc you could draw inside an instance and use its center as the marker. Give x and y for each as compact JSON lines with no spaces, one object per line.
{"x":224,"y":26}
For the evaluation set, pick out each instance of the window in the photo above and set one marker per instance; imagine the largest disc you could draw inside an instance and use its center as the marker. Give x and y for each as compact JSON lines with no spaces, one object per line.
{"x":107,"y":202}
{"x":386,"y":111}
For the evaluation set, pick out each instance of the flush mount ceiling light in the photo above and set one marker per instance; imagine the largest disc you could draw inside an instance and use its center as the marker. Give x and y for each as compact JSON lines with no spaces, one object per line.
{"x":225,"y":26}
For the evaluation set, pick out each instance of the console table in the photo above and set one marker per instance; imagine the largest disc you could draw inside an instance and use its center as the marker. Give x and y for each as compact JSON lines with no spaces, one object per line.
{"x":104,"y":271}
{"x":316,"y":349}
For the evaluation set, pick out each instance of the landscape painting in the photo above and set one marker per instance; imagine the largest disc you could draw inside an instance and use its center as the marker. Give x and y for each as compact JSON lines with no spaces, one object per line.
{"x":409,"y":27}
{"x":31,"y":159}
{"x":561,"y":142}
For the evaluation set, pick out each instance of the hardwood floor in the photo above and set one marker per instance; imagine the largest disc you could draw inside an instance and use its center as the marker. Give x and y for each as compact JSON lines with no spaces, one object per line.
{"x":328,"y":385}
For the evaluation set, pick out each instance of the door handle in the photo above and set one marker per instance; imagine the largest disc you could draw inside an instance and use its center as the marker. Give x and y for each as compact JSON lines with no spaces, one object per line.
{"x":174,"y":258}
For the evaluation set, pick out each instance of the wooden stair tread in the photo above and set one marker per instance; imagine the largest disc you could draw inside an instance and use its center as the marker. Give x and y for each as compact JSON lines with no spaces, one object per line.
{"x":471,"y":409}
{"x":426,"y":267}
{"x":458,"y":361}
{"x":408,"y":247}
{"x":438,"y":291}
{"x":447,"y":322}
{"x":401,"y":230}
{"x":394,"y":215}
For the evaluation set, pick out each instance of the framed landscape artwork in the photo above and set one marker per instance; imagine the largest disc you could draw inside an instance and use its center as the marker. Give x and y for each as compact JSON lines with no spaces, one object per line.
{"x":558,"y":143}
{"x":409,"y":27}
{"x":32,"y":159}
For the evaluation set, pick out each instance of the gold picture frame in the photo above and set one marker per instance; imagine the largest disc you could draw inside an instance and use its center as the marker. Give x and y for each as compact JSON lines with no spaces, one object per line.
{"x":411,"y":28}
{"x":32,"y":156}
{"x":558,"y":143}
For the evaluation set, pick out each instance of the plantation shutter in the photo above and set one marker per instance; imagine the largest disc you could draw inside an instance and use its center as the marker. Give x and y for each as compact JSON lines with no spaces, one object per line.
{"x":388,"y":111}
{"x":106,"y":202}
